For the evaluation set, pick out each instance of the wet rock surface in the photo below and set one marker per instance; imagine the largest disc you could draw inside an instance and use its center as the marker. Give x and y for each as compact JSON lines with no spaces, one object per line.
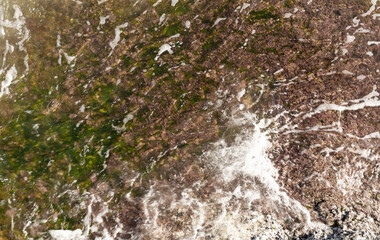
{"x":190,"y":119}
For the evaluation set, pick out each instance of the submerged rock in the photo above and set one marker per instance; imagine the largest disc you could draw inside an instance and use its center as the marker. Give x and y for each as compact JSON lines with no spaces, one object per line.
{"x":189,"y":119}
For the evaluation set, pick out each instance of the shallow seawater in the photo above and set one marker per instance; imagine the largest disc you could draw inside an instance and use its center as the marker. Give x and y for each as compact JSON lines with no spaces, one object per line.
{"x":229,"y":204}
{"x":180,"y":119}
{"x":13,"y":32}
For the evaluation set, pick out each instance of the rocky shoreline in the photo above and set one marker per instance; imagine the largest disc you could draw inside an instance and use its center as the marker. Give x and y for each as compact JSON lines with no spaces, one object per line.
{"x":167,"y":119}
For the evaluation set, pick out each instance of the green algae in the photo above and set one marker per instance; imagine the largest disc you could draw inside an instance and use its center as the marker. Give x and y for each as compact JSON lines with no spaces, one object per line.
{"x":264,"y":14}
{"x":288,"y":3}
{"x":64,"y":149}
{"x":172,"y":28}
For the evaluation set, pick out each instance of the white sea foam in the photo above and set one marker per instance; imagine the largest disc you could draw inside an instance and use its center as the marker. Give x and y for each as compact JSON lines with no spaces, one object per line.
{"x":93,"y":222}
{"x":350,"y":38}
{"x":373,"y":43}
{"x":102,"y":20}
{"x":242,"y":173}
{"x":240,"y":94}
{"x":116,"y":40}
{"x":164,"y":48}
{"x":127,"y":118}
{"x":218,"y":20}
{"x":174,"y":2}
{"x":370,"y":100}
{"x":372,"y":8}
{"x":66,"y":234}
{"x":245,"y":5}
{"x":9,"y":77}
{"x":156,"y":3}
{"x":245,"y":183}
{"x":10,"y":70}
